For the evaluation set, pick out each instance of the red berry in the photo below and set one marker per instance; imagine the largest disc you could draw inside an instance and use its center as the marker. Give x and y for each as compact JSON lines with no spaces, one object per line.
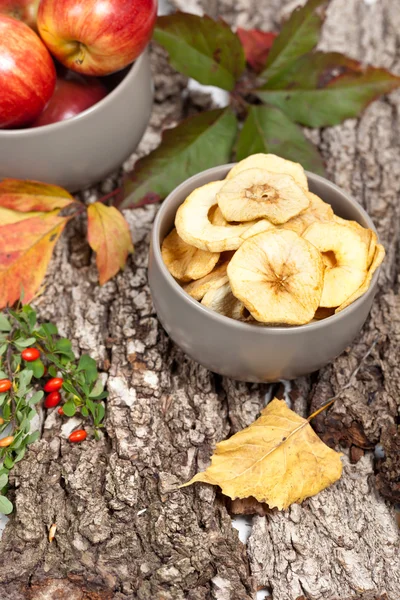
{"x":78,"y":436}
{"x":5,"y":385}
{"x":60,"y":411}
{"x":53,"y":385}
{"x":30,"y":354}
{"x":52,"y":400}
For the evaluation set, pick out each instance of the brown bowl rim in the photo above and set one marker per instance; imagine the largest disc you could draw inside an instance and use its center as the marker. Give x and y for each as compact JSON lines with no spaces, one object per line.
{"x":241,"y":326}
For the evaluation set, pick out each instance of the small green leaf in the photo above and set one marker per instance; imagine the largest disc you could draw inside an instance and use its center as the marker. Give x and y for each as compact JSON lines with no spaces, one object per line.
{"x":24,"y":343}
{"x":8,"y":462}
{"x":30,"y":315}
{"x":3,"y":348}
{"x":324,"y":89}
{"x":100,"y":412}
{"x":3,"y":375}
{"x":97,"y":389}
{"x":3,"y":480}
{"x":89,"y":367}
{"x":4,"y":323}
{"x":20,"y":454}
{"x":37,"y":367}
{"x":6,"y":410}
{"x":69,"y":408}
{"x":6,"y":506}
{"x":84,"y":411}
{"x":49,"y":329}
{"x":24,"y":379}
{"x":52,"y":371}
{"x":33,"y":437}
{"x":68,"y":387}
{"x":64,"y":346}
{"x":196,"y":144}
{"x":267,"y":129}
{"x":56,"y":360}
{"x":299,"y":35}
{"x":37,"y":396}
{"x":202,"y":48}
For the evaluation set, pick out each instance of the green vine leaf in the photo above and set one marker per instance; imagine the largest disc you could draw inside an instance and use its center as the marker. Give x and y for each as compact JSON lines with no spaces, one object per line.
{"x":298,"y":36}
{"x":202,"y":48}
{"x":197,"y":143}
{"x":323,"y":89}
{"x":268,"y":129}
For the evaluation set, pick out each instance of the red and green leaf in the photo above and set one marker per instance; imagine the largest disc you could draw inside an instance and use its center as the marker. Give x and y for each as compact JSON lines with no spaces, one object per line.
{"x":25,"y":252}
{"x":257,"y":45}
{"x":298,"y":36}
{"x":200,"y":142}
{"x":28,"y":196}
{"x":267,"y":129}
{"x":202,"y":48}
{"x":110,"y":238}
{"x":323,"y":89}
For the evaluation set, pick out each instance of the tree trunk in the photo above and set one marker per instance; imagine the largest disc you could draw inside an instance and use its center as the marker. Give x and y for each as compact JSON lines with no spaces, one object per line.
{"x":122,"y":531}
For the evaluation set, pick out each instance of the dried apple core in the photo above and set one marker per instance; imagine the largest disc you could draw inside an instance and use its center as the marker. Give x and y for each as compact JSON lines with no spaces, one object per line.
{"x":329,"y":258}
{"x":261,"y":193}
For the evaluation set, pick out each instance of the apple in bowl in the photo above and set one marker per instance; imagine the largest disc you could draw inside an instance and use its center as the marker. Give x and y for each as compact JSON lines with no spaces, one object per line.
{"x":27,"y":74}
{"x":24,"y":10}
{"x":96,"y":37}
{"x":74,"y":93}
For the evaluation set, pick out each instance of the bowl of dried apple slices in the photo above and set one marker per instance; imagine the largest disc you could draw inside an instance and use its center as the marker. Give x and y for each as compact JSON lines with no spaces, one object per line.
{"x":261,"y":271}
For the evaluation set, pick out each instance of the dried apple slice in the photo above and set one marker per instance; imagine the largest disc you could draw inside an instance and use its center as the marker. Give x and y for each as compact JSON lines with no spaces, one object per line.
{"x":257,"y":193}
{"x":376,"y":262}
{"x":278,"y":276}
{"x":221,"y":300}
{"x":274,"y":164}
{"x":317,"y":211}
{"x":194,"y":227}
{"x":186,"y":262}
{"x":197,"y":289}
{"x":345,"y":257}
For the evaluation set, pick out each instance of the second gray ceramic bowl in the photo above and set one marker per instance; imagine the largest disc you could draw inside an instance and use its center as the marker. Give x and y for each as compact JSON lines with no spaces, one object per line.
{"x":240,"y":350}
{"x":83,"y":150}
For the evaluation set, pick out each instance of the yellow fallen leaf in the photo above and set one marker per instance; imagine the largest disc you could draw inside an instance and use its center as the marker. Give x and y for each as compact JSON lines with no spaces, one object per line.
{"x":109,"y":237}
{"x":278,"y":459}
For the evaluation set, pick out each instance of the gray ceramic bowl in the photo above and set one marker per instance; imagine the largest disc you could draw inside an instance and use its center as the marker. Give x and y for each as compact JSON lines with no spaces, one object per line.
{"x":83,"y":150}
{"x":240,"y":350}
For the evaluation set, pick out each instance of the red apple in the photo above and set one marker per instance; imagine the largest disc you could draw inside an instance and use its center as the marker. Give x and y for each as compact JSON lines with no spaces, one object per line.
{"x":96,"y":37}
{"x":27,"y":74}
{"x":73,"y":94}
{"x":24,"y":10}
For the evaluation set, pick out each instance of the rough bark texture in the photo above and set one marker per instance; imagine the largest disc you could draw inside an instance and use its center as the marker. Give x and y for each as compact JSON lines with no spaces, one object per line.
{"x":121,"y":532}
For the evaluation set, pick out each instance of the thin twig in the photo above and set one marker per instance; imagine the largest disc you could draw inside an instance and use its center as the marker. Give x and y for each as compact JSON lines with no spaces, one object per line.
{"x":348,"y":384}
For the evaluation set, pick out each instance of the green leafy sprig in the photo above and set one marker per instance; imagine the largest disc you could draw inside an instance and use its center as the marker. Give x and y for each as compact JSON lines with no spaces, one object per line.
{"x":82,"y":389}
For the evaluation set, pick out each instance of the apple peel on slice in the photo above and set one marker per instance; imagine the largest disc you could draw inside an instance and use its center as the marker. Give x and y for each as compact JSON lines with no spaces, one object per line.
{"x":274,"y":164}
{"x":195,"y":228}
{"x":345,"y":257}
{"x":186,"y":262}
{"x":278,"y":276}
{"x":259,"y":194}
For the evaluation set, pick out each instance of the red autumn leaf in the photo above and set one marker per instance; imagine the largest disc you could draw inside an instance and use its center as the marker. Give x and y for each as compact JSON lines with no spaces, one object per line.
{"x":109,"y":237}
{"x":26,"y":248}
{"x":27,"y":196}
{"x":256,"y":45}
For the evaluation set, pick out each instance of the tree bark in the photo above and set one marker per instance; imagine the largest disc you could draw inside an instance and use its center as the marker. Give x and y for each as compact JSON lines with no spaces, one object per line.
{"x":123,"y":531}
